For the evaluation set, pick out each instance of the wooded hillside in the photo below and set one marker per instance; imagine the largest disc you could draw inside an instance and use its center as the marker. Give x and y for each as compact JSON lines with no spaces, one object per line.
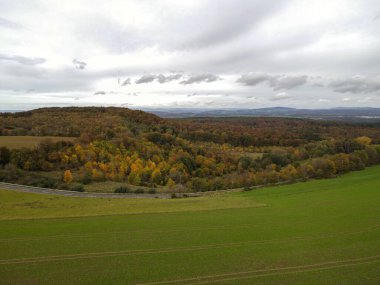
{"x":199,"y":154}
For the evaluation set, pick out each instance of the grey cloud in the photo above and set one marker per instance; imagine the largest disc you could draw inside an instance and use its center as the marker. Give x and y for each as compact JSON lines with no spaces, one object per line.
{"x":126,"y":82}
{"x":211,"y":25}
{"x":43,"y":79}
{"x":206,"y":77}
{"x":100,"y":93}
{"x":23,"y":59}
{"x":252,"y":79}
{"x":196,"y":27}
{"x":79,"y":64}
{"x":146,"y":78}
{"x":213,"y":36}
{"x":357,"y":84}
{"x":277,"y":82}
{"x":126,"y":105}
{"x":287,"y":82}
{"x":163,"y":79}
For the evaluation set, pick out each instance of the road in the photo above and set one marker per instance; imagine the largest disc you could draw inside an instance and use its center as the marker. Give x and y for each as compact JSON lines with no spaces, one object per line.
{"x":31,"y":189}
{"x":38,"y":190}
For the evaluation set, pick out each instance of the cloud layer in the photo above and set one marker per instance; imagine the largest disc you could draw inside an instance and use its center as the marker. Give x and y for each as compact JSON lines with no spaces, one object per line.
{"x":23,"y":59}
{"x":357,"y":84}
{"x":200,"y":78}
{"x":200,"y":53}
{"x":277,"y":82}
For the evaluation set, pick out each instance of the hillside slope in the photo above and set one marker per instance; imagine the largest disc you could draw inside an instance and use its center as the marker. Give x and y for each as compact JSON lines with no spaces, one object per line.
{"x":201,"y":154}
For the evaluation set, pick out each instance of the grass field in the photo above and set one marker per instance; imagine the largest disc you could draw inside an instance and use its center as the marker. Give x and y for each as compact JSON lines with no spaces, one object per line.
{"x":317,"y":232}
{"x":28,"y":141}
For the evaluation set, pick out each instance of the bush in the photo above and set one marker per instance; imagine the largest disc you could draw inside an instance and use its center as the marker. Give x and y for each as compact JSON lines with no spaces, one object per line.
{"x":77,"y":188}
{"x":122,"y":189}
{"x":47,"y":183}
{"x":5,"y":155}
{"x":86,"y":178}
{"x":63,"y":186}
{"x":152,"y":191}
{"x":139,"y":191}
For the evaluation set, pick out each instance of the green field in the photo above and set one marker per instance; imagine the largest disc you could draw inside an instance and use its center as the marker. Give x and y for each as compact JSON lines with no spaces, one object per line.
{"x":28,"y":141}
{"x":317,"y":232}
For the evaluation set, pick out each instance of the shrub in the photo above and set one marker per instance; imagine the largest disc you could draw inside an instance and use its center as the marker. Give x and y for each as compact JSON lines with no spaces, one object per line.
{"x":122,"y":189}
{"x":86,"y":178}
{"x":139,"y":191}
{"x":47,"y":183}
{"x":5,"y":155}
{"x":77,"y":187}
{"x":63,"y":186}
{"x":152,"y":191}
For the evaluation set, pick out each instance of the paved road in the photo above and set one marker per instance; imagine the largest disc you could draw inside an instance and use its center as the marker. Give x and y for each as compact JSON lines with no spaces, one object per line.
{"x":30,"y":189}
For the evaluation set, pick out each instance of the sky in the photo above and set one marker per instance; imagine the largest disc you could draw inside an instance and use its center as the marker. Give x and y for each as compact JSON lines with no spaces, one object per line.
{"x":189,"y":53}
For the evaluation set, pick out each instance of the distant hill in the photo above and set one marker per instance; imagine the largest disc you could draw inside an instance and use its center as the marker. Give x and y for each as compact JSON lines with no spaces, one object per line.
{"x":348,"y":114}
{"x":74,"y":121}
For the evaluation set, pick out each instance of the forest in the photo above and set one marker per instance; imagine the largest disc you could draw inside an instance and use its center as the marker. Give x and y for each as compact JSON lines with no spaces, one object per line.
{"x":179,"y":155}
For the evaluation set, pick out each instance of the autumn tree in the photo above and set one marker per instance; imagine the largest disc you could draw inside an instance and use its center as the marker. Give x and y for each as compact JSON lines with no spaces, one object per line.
{"x":363,"y":140}
{"x":67,"y":176}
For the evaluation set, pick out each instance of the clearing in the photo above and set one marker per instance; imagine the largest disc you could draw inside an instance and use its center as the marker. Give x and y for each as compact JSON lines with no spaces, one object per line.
{"x":14,"y":142}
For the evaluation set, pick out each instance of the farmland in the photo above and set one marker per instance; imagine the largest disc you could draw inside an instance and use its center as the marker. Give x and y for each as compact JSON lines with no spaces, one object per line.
{"x":14,"y":142}
{"x":316,"y":232}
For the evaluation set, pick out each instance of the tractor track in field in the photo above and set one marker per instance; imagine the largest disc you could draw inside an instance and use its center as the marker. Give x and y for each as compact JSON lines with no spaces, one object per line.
{"x":127,"y":232}
{"x":21,"y":239}
{"x":167,"y":250}
{"x":269,"y":271}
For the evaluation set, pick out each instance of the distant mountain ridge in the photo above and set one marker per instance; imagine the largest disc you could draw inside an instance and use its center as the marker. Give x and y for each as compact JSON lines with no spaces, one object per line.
{"x":340,"y":113}
{"x":356,"y":114}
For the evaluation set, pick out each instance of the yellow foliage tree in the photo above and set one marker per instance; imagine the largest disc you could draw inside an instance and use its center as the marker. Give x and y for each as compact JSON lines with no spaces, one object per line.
{"x":364,"y":140}
{"x":170,"y":183}
{"x":156,"y":176}
{"x":67,"y":176}
{"x":97,"y":175}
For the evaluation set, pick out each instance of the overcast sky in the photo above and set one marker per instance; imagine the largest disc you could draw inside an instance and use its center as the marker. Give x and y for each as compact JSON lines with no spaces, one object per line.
{"x":189,"y":53}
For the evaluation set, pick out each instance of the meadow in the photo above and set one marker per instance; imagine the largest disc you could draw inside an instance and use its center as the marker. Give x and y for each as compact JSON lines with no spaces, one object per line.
{"x":315,"y":232}
{"x":14,"y":142}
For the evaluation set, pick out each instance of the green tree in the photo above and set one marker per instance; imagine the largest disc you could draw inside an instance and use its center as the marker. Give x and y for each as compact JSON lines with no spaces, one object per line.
{"x":5,"y":155}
